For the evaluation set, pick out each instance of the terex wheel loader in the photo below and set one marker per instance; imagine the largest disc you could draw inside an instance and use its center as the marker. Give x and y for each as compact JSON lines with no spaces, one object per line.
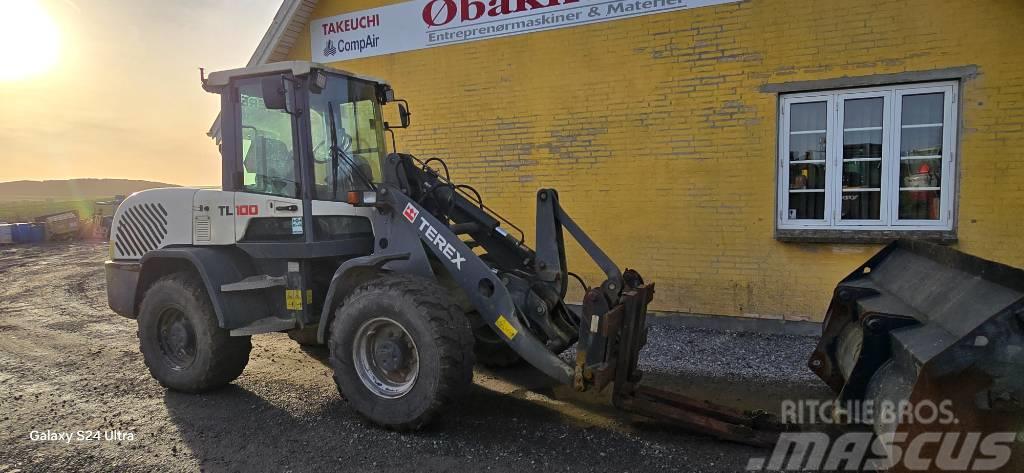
{"x":405,"y":275}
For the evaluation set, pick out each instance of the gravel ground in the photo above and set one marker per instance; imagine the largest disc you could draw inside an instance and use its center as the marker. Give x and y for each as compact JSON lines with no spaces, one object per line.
{"x":68,"y":364}
{"x":734,"y":356}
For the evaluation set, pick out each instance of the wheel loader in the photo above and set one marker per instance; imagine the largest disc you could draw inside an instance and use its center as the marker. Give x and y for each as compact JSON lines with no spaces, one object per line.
{"x":323,"y":231}
{"x":409,"y":278}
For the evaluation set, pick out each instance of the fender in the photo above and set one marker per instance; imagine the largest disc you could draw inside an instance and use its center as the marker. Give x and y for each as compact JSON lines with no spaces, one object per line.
{"x":216,"y":266}
{"x":346,"y":278}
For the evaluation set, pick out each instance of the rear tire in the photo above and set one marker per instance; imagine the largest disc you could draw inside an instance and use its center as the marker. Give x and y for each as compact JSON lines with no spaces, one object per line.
{"x":401,"y":351}
{"x":181,"y":343}
{"x":305,"y":336}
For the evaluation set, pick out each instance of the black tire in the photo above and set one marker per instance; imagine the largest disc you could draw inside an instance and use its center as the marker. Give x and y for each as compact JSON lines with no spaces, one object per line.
{"x":180,"y":341}
{"x":435,"y":332}
{"x":305,"y":336}
{"x":491,"y":351}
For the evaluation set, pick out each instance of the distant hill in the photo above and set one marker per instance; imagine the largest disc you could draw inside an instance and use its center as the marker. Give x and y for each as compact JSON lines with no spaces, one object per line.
{"x":73,"y":189}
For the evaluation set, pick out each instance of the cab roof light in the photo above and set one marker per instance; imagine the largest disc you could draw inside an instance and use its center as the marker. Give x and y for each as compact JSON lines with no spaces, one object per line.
{"x":362,"y":198}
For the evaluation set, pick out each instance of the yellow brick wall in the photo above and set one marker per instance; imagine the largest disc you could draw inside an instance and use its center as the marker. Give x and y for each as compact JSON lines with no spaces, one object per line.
{"x":662,"y":146}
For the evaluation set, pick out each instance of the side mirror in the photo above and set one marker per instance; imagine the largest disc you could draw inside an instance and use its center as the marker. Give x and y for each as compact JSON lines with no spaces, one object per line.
{"x":403,"y":115}
{"x":275,"y":94}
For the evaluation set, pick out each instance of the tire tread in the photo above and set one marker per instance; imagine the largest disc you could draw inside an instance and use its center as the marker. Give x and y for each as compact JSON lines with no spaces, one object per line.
{"x":450,"y":331}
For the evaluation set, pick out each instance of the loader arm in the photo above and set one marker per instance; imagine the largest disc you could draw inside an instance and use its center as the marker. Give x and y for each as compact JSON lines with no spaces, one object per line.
{"x":477,"y":280}
{"x":519,"y":292}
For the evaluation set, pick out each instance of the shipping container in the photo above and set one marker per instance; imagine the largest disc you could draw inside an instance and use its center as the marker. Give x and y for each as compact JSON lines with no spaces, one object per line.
{"x":37,"y":232}
{"x":22,"y":232}
{"x":6,"y":233}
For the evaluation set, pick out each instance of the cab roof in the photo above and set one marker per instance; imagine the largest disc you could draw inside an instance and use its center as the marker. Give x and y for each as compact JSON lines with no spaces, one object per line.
{"x":221,"y":79}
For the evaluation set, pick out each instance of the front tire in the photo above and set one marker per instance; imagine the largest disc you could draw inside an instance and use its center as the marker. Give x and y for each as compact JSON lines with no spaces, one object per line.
{"x":181,"y":343}
{"x":401,"y":351}
{"x":491,"y":351}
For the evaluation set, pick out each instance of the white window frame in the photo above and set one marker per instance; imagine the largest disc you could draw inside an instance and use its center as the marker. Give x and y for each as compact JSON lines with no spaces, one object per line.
{"x":891,"y":136}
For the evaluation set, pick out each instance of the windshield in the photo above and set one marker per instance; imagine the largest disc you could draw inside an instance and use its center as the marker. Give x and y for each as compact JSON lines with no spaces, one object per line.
{"x":359,"y":137}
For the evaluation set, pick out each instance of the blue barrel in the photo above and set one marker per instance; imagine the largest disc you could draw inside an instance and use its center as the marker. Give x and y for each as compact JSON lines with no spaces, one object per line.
{"x":22,"y":232}
{"x":37,"y":232}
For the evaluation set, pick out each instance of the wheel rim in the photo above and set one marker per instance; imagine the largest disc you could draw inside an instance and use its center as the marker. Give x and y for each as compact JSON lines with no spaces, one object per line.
{"x":177,"y":339}
{"x":386,"y":358}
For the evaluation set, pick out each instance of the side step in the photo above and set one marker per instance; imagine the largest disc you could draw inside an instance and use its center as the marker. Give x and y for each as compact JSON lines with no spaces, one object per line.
{"x":252,"y":283}
{"x":265,"y":325}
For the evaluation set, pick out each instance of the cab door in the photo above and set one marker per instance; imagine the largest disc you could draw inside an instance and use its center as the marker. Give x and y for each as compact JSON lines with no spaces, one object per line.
{"x":268,"y":205}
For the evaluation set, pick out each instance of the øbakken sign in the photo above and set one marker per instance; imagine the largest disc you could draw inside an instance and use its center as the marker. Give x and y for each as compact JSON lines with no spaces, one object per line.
{"x":419,"y":24}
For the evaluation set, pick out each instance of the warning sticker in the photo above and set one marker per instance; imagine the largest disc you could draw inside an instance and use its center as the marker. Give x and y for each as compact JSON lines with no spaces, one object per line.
{"x":506,"y":328}
{"x":293,"y":299}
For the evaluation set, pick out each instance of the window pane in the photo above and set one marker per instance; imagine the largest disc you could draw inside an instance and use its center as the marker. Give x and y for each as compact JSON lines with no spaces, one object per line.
{"x":807,"y":205}
{"x":862,"y":113}
{"x":355,"y":133}
{"x":862,"y":144}
{"x":922,"y":109}
{"x":921,"y":135}
{"x":807,"y":116}
{"x":861,"y":205}
{"x":862,"y":154}
{"x":807,"y":142}
{"x":267,"y":158}
{"x":921,"y":141}
{"x":919,"y":205}
{"x":807,"y":147}
{"x":921,"y":172}
{"x":807,"y":176}
{"x":858,"y":174}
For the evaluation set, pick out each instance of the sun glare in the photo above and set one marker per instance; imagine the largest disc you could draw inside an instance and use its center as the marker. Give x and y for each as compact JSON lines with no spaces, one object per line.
{"x":29,"y":40}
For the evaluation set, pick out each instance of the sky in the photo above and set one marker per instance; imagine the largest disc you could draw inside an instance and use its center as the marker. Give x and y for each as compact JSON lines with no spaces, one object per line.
{"x":110,"y":88}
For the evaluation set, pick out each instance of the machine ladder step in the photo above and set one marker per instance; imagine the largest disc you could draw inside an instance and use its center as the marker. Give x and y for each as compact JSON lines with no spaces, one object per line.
{"x":266,"y":325}
{"x":253,"y":283}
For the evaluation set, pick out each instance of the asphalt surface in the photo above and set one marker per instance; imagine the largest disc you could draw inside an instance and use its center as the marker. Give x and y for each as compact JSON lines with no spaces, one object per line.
{"x":69,"y":365}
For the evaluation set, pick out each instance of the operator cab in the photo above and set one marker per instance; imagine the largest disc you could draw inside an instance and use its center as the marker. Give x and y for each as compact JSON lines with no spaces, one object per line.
{"x":300,"y":130}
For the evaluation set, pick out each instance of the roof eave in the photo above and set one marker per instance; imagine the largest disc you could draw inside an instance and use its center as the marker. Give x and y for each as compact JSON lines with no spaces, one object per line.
{"x":285,"y":20}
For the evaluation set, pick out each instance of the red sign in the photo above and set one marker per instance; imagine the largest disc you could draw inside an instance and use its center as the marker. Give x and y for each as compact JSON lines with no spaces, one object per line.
{"x":410,"y":213}
{"x":442,"y":12}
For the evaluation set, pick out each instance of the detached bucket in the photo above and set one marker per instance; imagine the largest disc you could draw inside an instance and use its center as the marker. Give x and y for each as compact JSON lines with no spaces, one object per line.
{"x":928,"y":325}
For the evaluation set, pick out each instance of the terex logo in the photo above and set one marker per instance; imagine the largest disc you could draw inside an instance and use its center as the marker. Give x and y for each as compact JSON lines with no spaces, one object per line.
{"x":442,"y":12}
{"x":410,"y":213}
{"x":436,"y":239}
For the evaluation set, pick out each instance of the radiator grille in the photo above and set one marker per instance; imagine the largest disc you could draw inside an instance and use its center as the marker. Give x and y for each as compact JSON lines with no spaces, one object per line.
{"x":142,"y":228}
{"x":202,"y":228}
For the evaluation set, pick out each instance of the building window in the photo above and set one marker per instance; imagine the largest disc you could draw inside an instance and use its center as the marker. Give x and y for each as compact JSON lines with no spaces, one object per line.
{"x":868,"y":159}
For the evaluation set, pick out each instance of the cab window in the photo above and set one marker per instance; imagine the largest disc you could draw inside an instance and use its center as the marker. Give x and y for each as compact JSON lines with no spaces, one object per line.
{"x":358,"y":136}
{"x":268,"y":156}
